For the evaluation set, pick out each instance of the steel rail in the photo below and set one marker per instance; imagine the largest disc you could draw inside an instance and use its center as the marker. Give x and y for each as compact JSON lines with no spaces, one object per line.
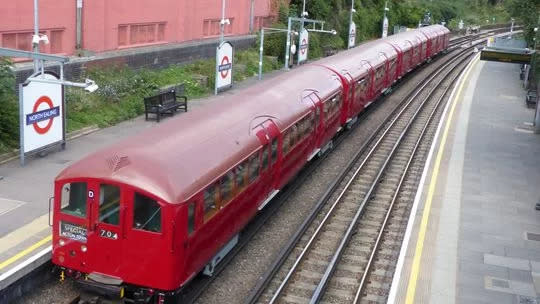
{"x":285,"y":252}
{"x":397,"y":192}
{"x":410,"y":100}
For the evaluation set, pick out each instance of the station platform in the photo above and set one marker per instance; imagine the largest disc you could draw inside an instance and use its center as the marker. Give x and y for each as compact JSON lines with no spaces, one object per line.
{"x":25,"y":234}
{"x":474,"y":233}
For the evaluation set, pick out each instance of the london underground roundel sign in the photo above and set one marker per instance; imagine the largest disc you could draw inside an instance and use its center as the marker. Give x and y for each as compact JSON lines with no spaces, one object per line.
{"x":42,"y":114}
{"x":304,"y":46}
{"x":224,"y":66}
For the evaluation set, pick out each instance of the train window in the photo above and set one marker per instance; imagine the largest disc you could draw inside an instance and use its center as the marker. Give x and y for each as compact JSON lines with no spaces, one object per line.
{"x":73,"y":199}
{"x":146,"y":214}
{"x":241,"y":172}
{"x":109,"y":204}
{"x":286,"y":142}
{"x":227,"y":186}
{"x":295,"y":134}
{"x":210,"y":201}
{"x":306,"y":125}
{"x":265,"y":158}
{"x":326,"y":106}
{"x":380,"y":73}
{"x":274,"y":150}
{"x":254,"y":165}
{"x":191,"y":218}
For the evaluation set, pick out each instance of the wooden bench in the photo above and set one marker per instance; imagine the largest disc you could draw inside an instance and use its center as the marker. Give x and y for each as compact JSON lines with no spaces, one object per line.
{"x":166,"y":101}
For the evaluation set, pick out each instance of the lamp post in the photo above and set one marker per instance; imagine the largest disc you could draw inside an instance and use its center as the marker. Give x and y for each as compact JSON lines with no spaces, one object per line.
{"x":222,"y":22}
{"x":35,"y":46}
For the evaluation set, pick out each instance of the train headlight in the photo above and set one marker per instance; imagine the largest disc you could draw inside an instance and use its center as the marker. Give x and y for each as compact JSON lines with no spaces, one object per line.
{"x":61,"y":242}
{"x":83,"y":248}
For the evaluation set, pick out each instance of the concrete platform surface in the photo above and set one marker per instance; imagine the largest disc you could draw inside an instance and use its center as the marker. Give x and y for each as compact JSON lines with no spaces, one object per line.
{"x":480,"y":237}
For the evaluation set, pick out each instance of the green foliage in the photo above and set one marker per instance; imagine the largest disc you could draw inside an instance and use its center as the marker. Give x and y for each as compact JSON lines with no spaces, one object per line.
{"x":9,"y":109}
{"x":369,"y":17}
{"x":122,"y":89}
{"x":526,"y":13}
{"x":121,"y":92}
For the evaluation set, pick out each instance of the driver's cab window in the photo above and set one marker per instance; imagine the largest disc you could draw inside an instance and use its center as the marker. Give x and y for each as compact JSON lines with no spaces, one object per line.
{"x":73,"y":199}
{"x":146,"y":214}
{"x":109,"y":204}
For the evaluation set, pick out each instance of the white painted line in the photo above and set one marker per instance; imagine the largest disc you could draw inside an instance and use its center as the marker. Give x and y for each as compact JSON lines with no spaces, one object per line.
{"x":6,"y":201}
{"x":412,"y":215}
{"x":25,"y":263}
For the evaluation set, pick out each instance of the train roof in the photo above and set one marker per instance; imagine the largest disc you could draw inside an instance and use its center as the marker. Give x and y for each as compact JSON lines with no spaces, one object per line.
{"x":182,"y":155}
{"x":351,"y":61}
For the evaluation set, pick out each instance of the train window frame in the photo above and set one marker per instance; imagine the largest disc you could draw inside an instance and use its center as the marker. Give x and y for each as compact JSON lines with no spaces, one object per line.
{"x":226,"y":196}
{"x":243,"y":168}
{"x":274,"y":150}
{"x":285,"y":146}
{"x":115,"y":203}
{"x":210,"y":208}
{"x":81,"y":202}
{"x":157,"y":214}
{"x":255,"y":157}
{"x":265,"y":157}
{"x":191,"y":222}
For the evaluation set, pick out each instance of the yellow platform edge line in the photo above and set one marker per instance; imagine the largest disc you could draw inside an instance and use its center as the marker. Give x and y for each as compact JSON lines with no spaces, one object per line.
{"x":25,"y":252}
{"x":415,"y":269}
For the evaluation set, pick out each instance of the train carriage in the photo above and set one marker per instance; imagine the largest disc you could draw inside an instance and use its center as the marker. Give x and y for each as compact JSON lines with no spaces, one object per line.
{"x":149,"y":213}
{"x":185,"y":188}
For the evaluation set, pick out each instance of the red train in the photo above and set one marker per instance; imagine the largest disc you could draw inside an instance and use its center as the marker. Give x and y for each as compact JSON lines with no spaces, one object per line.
{"x":146,"y":215}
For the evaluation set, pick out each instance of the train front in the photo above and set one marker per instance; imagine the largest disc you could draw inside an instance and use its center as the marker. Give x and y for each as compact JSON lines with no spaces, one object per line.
{"x":111,"y":239}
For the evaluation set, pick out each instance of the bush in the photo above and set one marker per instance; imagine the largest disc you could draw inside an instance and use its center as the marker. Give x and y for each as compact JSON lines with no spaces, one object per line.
{"x":9,"y":113}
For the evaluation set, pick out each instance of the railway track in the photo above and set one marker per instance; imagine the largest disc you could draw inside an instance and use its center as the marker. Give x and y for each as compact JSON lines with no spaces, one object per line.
{"x":346,"y":252}
{"x":200,"y":284}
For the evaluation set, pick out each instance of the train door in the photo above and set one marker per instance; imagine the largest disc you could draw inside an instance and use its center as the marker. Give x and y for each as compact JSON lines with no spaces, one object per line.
{"x":144,"y":218}
{"x":370,"y":80}
{"x":384,"y":75}
{"x":106,"y":220}
{"x":310,"y":98}
{"x":268,"y":134}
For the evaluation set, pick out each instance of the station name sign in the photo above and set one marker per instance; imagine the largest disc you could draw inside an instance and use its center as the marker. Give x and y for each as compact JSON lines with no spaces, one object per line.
{"x":42,"y":115}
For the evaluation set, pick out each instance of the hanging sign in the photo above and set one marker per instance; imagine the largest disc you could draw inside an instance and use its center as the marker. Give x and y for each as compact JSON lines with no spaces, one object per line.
{"x":303,"y":46}
{"x":224,"y":66}
{"x":385,"y":27}
{"x":352,"y":34}
{"x":42,"y":114}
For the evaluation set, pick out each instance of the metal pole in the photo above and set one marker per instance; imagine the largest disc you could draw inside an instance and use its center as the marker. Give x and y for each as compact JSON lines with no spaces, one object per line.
{"x":64,"y":109}
{"x":21,"y":124}
{"x":261,"y":54}
{"x":300,"y":33}
{"x":350,"y":23}
{"x":251,"y":16}
{"x":222,"y":34}
{"x":288,"y":45}
{"x":352,"y":10}
{"x":36,"y":32}
{"x":385,"y":20}
{"x":79,"y":25}
{"x":537,"y":114}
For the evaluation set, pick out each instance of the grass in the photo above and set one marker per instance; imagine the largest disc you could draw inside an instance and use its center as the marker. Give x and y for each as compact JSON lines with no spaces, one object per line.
{"x":122,"y":89}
